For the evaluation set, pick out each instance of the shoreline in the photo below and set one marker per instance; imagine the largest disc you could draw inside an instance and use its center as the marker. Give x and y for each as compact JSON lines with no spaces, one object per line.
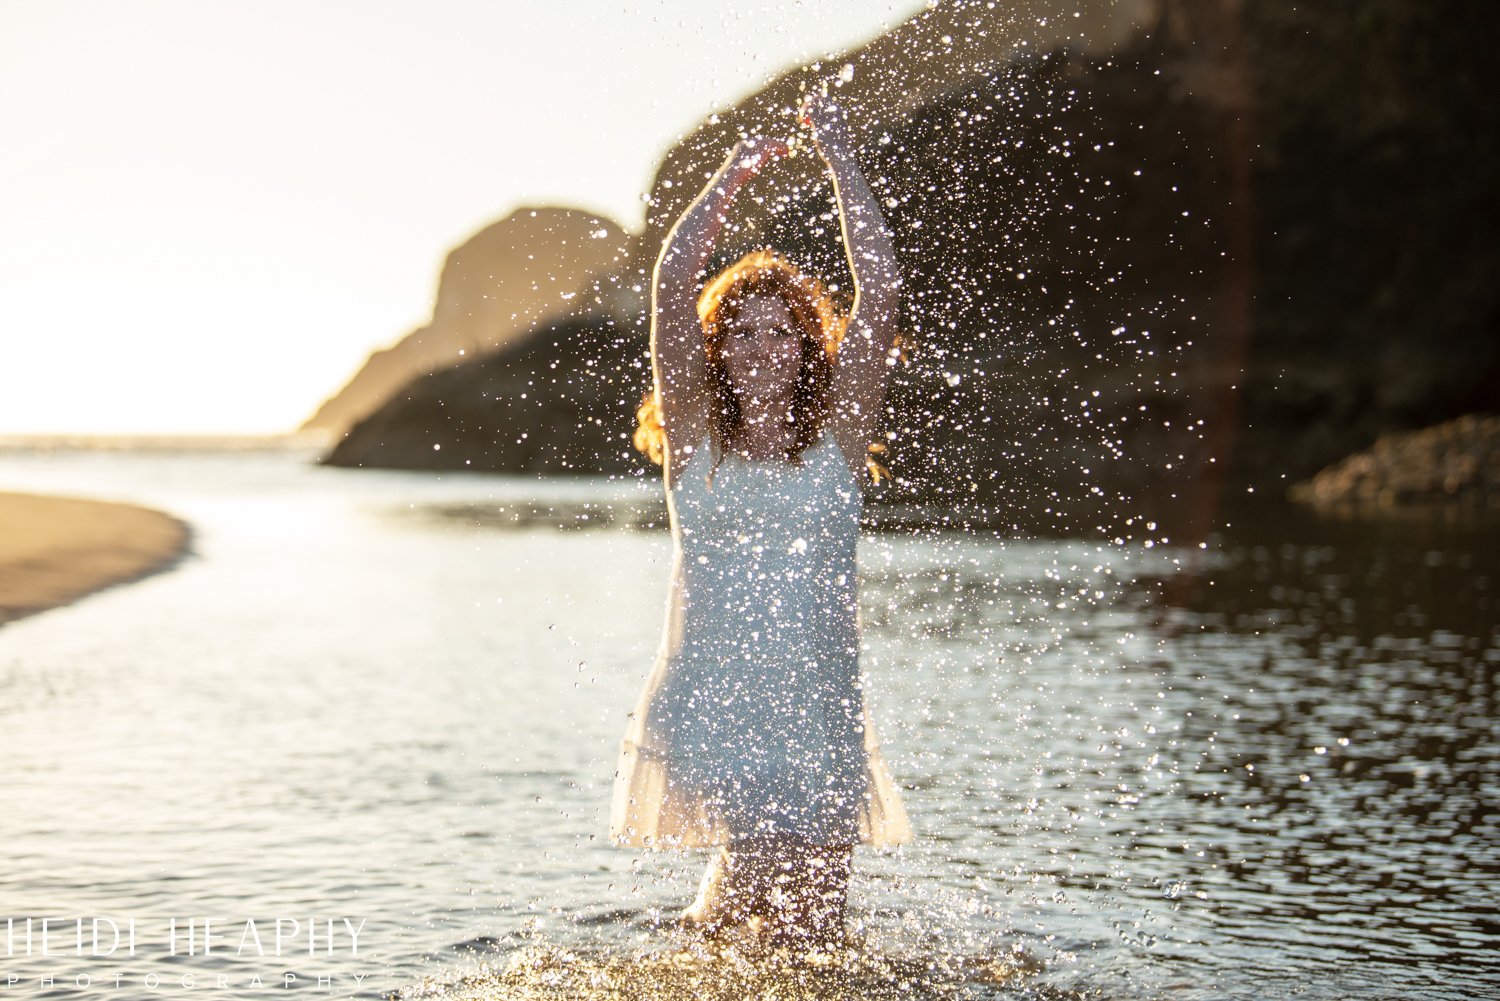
{"x":56,"y":550}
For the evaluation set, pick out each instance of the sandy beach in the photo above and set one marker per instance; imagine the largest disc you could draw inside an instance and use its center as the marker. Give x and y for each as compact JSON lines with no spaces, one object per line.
{"x":54,"y":550}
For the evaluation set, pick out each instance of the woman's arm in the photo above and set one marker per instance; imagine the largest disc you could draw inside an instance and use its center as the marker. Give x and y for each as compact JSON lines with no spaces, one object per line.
{"x":677,"y":356}
{"x":868,"y":350}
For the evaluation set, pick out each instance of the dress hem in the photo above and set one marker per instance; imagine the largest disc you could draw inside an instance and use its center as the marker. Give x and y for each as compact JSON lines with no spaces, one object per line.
{"x":650,"y":810}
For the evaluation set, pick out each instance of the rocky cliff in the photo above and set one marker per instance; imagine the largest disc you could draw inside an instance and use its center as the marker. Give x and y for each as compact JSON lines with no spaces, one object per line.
{"x":1207,"y":242}
{"x":499,"y":285}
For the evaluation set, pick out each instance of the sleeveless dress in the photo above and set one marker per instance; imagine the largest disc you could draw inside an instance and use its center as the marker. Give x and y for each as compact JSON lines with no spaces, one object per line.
{"x":753,"y":722}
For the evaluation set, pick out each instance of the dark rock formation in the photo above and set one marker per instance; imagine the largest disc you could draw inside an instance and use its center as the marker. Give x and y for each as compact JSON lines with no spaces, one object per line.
{"x":1455,"y":465}
{"x":1218,"y":242}
{"x":560,"y":401}
{"x":1019,"y":219}
{"x":532,"y":267}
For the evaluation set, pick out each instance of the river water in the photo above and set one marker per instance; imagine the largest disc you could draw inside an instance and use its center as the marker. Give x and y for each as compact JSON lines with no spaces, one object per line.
{"x":1265,"y":769}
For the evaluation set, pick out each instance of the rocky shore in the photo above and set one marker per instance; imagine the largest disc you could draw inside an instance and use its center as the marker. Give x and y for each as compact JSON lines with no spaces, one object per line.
{"x":1455,"y":465}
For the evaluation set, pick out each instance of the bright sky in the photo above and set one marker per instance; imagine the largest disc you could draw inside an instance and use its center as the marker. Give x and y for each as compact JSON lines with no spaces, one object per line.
{"x":210,"y":212}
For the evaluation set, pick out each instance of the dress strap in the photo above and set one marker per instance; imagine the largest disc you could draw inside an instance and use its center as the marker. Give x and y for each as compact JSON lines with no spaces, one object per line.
{"x":703,"y":447}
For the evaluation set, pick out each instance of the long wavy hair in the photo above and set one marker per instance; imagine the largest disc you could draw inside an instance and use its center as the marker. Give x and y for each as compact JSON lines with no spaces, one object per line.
{"x":760,"y":273}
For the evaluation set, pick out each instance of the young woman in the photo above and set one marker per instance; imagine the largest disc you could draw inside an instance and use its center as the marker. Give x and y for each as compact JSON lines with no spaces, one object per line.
{"x":752,"y":733}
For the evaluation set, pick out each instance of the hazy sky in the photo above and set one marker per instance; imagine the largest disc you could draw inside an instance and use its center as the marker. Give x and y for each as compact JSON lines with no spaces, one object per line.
{"x":210,"y":211}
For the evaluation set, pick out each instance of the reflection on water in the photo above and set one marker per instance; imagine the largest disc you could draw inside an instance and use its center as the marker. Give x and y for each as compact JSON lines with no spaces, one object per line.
{"x":1264,"y":769}
{"x":1345,"y":787}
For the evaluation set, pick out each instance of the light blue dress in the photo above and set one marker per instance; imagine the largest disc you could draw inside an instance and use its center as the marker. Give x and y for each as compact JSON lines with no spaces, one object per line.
{"x":753,"y":719}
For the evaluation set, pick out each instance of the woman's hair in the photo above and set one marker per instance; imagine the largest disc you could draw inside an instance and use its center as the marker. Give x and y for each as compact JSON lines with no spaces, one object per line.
{"x":761,"y":273}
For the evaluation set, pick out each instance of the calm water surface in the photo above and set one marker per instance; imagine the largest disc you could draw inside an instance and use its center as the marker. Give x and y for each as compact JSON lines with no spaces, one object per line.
{"x":1266,"y":769}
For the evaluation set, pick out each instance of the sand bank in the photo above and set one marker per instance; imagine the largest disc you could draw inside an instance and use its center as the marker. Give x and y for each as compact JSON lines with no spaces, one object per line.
{"x":54,"y":550}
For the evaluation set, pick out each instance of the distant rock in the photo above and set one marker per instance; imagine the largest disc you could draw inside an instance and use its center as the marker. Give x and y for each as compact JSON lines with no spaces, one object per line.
{"x":1454,"y":465}
{"x":532,"y":267}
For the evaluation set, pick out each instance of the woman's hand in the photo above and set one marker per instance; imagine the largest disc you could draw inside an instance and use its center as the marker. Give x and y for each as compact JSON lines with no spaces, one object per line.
{"x":754,"y":153}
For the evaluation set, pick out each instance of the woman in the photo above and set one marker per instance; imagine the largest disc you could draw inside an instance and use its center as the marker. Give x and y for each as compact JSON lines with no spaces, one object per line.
{"x":751,"y":733}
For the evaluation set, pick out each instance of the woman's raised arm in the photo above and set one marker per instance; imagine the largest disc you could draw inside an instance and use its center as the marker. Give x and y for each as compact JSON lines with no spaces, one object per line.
{"x":868,"y":349}
{"x":677,"y":356}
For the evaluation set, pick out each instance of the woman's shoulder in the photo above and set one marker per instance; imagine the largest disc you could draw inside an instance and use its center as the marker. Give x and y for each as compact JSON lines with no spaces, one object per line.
{"x":831,"y":450}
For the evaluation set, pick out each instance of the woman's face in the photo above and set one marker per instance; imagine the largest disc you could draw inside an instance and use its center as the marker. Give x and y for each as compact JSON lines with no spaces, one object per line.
{"x":763,"y":349}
